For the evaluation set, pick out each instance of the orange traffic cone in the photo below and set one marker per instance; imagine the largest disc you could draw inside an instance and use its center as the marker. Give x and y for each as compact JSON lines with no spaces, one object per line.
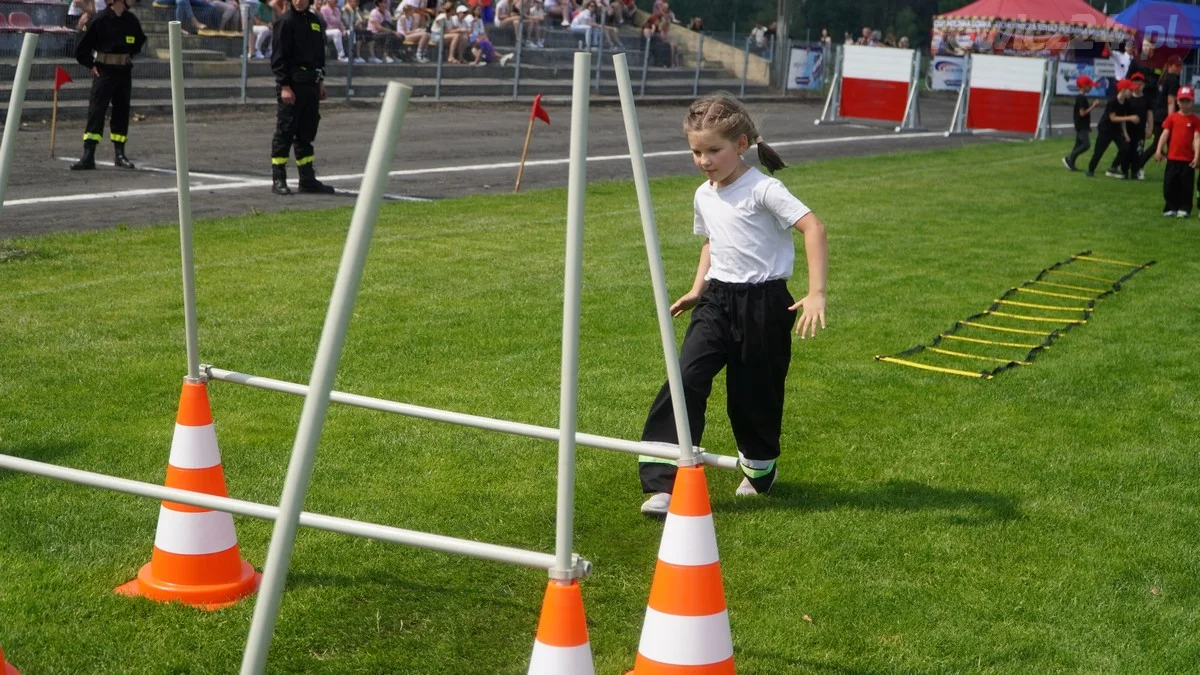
{"x":7,"y":668}
{"x":687,"y":624}
{"x":196,"y":559}
{"x":561,"y":647}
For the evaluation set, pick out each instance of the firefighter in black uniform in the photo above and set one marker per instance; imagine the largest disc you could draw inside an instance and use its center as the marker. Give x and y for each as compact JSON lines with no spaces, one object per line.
{"x":298,"y":59}
{"x":106,"y":45}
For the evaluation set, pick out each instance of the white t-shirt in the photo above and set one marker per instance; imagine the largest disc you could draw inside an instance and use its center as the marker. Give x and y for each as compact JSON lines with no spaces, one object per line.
{"x":1120,"y":62}
{"x":749,"y":228}
{"x":583,"y":19}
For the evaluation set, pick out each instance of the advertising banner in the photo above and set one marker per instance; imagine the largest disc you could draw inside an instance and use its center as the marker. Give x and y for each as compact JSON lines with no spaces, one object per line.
{"x":946,"y":73}
{"x":1100,"y":70}
{"x":806,"y":68}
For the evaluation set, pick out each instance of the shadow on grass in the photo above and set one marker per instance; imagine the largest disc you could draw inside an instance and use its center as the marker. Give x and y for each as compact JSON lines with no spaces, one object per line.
{"x":50,"y":453}
{"x":972,"y":507}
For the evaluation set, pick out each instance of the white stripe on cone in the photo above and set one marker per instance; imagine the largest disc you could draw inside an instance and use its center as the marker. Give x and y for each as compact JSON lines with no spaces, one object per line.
{"x":688,"y":540}
{"x":194,"y":447}
{"x":686,"y":640}
{"x":548,"y":660}
{"x":199,"y":533}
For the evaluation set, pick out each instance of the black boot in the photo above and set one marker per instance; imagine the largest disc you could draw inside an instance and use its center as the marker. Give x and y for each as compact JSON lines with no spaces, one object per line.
{"x":310,"y":184}
{"x":119,"y":159}
{"x":279,"y":180}
{"x":88,"y":161}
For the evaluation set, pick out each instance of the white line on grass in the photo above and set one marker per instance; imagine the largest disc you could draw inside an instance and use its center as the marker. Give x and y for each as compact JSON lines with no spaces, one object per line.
{"x":259,"y":183}
{"x":151,"y":169}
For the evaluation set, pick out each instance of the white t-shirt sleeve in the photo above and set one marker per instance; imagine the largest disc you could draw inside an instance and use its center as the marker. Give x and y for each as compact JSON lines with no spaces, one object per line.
{"x":783,"y":204}
{"x":698,"y":226}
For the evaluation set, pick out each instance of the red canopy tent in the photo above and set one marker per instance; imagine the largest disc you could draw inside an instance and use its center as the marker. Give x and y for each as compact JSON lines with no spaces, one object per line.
{"x":1026,"y":27}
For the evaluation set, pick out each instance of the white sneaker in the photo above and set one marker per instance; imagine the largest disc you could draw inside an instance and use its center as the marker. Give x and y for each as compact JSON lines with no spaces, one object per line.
{"x":504,"y":60}
{"x":375,"y":59}
{"x":566,"y":22}
{"x":359,"y":59}
{"x":657,"y":504}
{"x":1170,"y":214}
{"x":1141,"y":174}
{"x":343,"y":59}
{"x":421,"y":58}
{"x":1114,"y":174}
{"x":747,"y":490}
{"x":388,"y":59}
{"x":1182,"y":214}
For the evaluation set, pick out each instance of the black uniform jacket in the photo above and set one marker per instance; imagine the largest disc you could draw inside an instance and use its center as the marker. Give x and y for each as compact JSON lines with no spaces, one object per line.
{"x":111,"y":34}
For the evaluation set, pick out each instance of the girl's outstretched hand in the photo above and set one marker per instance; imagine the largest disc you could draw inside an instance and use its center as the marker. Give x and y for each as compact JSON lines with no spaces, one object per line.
{"x":683,"y":304}
{"x":812,"y":311}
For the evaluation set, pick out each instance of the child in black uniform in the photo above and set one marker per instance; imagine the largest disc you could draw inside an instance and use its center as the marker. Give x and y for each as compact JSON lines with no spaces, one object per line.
{"x":1083,"y":121}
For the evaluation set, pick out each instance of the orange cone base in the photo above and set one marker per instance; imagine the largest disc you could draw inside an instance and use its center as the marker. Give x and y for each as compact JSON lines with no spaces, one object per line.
{"x":209,"y":597}
{"x":644,"y":666}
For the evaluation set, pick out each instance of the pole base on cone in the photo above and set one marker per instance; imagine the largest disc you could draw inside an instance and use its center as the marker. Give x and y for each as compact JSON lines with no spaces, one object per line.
{"x":209,"y":596}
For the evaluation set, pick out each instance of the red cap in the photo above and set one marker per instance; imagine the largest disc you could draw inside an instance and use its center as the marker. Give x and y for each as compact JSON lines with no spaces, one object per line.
{"x":1126,"y":85}
{"x":1185,"y":94}
{"x":1137,"y":77}
{"x":1084,"y":81}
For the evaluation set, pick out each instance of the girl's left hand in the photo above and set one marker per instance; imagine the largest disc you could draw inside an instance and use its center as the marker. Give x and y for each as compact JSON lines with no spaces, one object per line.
{"x":812,"y":311}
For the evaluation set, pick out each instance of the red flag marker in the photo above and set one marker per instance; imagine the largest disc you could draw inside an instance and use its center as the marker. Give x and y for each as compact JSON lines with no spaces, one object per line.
{"x":61,"y":77}
{"x":538,"y":113}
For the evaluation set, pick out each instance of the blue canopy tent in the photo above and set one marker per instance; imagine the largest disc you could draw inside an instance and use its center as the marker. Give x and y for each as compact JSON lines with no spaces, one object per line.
{"x":1168,"y":25}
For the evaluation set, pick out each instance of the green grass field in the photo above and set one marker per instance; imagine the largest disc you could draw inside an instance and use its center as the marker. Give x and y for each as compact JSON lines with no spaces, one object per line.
{"x":1043,"y":521}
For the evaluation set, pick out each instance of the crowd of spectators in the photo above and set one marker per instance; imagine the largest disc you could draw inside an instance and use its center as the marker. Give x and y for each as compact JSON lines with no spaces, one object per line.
{"x":388,"y":31}
{"x":875,"y":38}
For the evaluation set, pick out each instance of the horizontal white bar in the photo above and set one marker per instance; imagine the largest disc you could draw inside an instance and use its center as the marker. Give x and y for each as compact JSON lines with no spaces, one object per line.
{"x":517,"y":428}
{"x":689,"y":540}
{"x":874,"y":63}
{"x":194,"y":533}
{"x":395,"y":535}
{"x":194,"y":447}
{"x":686,"y":640}
{"x":1007,"y":73}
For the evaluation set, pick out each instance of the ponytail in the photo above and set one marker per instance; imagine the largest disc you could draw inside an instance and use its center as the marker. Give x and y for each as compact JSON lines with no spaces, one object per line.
{"x":767,"y":157}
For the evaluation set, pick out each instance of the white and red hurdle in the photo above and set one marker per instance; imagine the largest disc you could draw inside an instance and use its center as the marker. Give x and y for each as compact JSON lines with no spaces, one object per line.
{"x":873,"y":83}
{"x":1005,"y":93}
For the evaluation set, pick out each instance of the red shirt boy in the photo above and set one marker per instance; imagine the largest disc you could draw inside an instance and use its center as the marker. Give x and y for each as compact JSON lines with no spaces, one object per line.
{"x":1179,"y":130}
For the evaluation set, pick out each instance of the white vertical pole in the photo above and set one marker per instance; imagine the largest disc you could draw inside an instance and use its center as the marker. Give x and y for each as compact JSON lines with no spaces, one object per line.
{"x":246,"y":32}
{"x":658,"y":276}
{"x":699,"y":60}
{"x":184,"y":190}
{"x":572,"y":289}
{"x":16,"y":102}
{"x":329,"y":352}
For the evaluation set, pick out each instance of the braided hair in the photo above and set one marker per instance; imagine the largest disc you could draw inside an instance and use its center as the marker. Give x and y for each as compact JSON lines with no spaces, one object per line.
{"x":724,"y":114}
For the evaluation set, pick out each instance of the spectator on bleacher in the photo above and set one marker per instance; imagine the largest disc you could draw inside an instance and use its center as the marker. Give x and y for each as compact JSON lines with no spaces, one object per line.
{"x":697,"y":25}
{"x":383,"y":32}
{"x":411,"y":27}
{"x":903,"y":44}
{"x":609,"y":12}
{"x":79,"y":13}
{"x":353,"y":20}
{"x":335,"y":31}
{"x":534,"y":22}
{"x":458,"y":30}
{"x":628,"y":10}
{"x":758,"y":36}
{"x":583,"y":25}
{"x":481,"y":47}
{"x":268,"y":13}
{"x":868,"y":37}
{"x":559,"y":10}
{"x":890,"y":40}
{"x":435,"y":34}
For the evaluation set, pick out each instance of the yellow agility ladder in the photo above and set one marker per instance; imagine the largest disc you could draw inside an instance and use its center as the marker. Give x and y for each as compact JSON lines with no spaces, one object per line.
{"x":1067,"y":281}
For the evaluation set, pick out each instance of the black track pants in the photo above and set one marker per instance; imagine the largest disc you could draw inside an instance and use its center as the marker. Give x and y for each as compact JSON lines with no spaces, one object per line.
{"x":296,"y":124}
{"x":114,"y":85}
{"x":747,"y":329}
